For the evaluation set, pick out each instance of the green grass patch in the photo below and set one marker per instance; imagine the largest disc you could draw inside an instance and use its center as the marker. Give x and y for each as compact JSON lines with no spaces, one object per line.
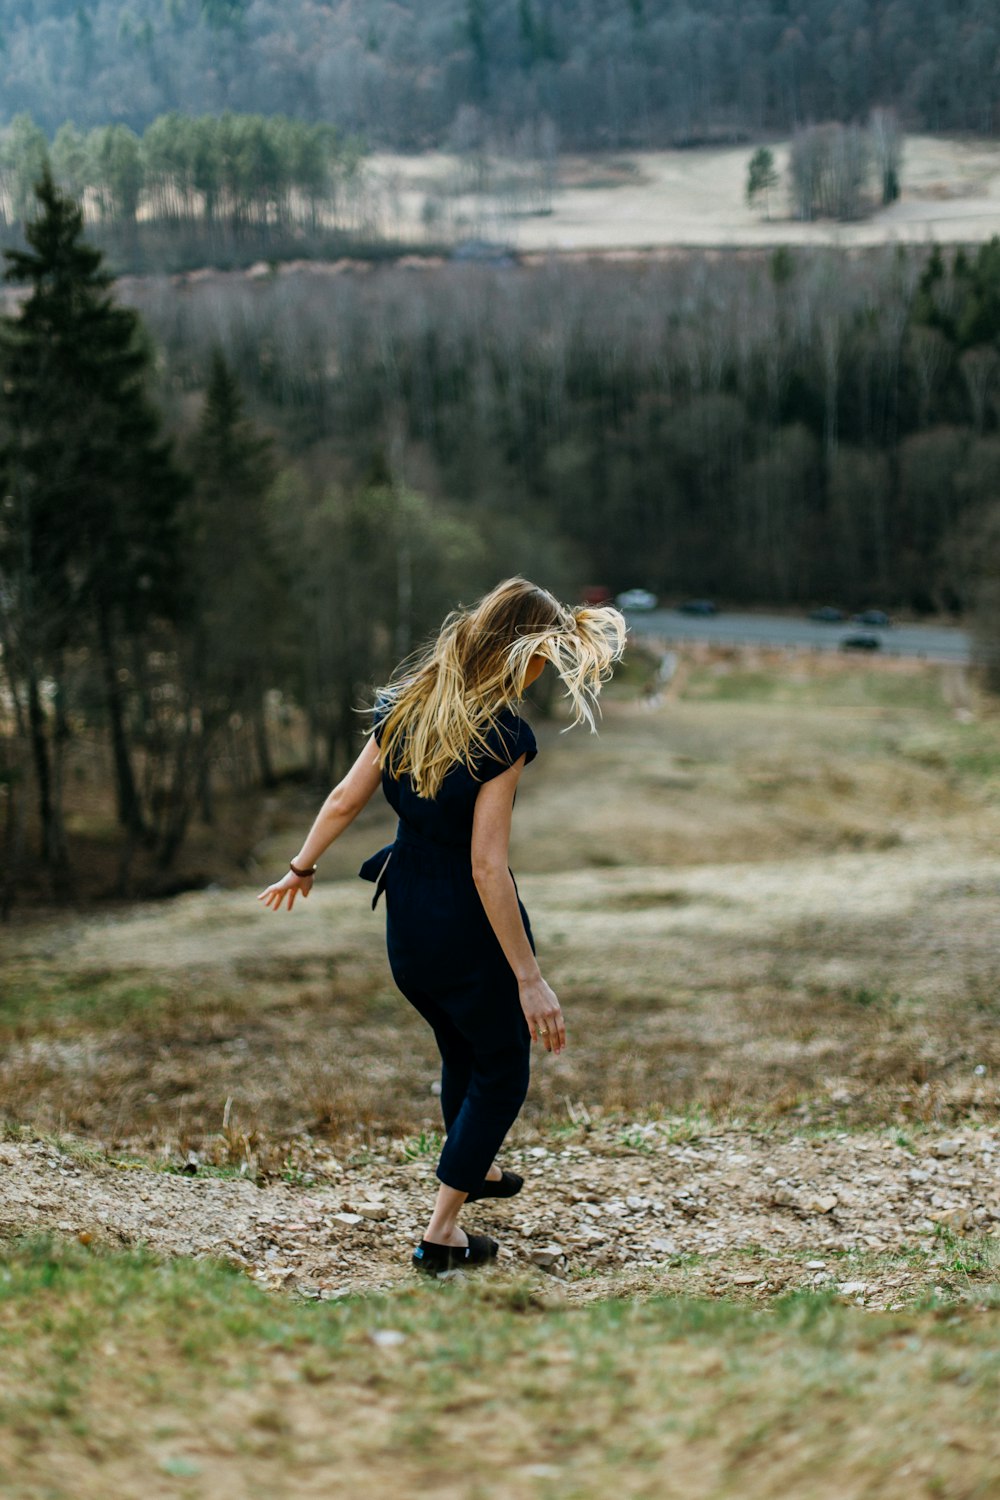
{"x":39,"y":1002}
{"x":424,"y":1146}
{"x":965,"y":750}
{"x":873,"y":688}
{"x":121,"y":1360}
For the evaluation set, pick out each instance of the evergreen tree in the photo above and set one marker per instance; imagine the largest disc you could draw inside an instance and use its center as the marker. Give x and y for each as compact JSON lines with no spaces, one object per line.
{"x":475,"y":22}
{"x":237,"y":584}
{"x":91,"y":538}
{"x":979,"y":322}
{"x":761,"y":177}
{"x":223,"y":15}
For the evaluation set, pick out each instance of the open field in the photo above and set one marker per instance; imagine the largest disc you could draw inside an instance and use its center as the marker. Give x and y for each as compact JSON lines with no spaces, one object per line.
{"x":791,"y":862}
{"x":649,"y":199}
{"x":758,"y":1244}
{"x":182,"y":1380}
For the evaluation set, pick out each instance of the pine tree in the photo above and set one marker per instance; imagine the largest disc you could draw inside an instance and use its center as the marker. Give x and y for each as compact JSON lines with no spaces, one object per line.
{"x":237,"y":583}
{"x":92,"y":534}
{"x":475,"y":24}
{"x":761,"y":177}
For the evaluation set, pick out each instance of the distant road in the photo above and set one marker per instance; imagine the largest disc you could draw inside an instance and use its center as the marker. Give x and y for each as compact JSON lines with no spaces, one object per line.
{"x":934,"y":643}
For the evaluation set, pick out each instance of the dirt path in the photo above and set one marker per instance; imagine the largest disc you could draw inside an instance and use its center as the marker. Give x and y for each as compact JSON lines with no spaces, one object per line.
{"x":628,"y":1211}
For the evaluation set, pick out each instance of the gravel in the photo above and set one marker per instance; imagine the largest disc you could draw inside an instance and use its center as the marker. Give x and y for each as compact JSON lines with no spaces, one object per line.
{"x":588,"y":1212}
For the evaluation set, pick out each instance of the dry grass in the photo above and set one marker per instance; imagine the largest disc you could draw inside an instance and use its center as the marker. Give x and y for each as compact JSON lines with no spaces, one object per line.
{"x":769,"y":900}
{"x":124,"y":1377}
{"x":641,"y":200}
{"x":773,"y":895}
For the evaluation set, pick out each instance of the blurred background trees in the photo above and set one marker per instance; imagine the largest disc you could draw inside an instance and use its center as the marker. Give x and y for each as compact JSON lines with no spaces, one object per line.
{"x":831,"y":167}
{"x":231,"y":504}
{"x":167,"y":602}
{"x":353,"y":453}
{"x":640,"y":74}
{"x":792,"y":425}
{"x":201,"y":186}
{"x":89,"y":548}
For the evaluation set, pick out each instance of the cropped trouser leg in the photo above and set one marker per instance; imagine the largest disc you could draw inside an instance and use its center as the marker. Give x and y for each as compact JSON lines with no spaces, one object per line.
{"x":485,"y":1071}
{"x":456,"y":1070}
{"x":496,"y":1090}
{"x":456,"y":1053}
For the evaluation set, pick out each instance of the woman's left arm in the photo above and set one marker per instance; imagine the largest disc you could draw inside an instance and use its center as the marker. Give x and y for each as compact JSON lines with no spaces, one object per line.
{"x":337,"y":813}
{"x":490,"y":837}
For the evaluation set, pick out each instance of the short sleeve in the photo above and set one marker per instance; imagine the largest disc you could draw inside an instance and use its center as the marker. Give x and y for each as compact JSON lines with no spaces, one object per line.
{"x":512,"y":738}
{"x":379,"y":712}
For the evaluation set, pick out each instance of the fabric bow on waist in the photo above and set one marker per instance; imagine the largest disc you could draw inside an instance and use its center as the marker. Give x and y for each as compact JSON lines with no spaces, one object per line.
{"x":375,"y":867}
{"x":431,"y":853}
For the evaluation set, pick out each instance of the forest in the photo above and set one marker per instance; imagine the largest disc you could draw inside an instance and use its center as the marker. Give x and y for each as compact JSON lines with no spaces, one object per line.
{"x":195,"y":189}
{"x":783,"y":427}
{"x":239,"y":493}
{"x":602,"y":73}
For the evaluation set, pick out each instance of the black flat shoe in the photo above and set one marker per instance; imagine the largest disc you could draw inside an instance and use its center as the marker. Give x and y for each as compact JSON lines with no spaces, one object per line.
{"x":508,"y":1185}
{"x":434,"y":1258}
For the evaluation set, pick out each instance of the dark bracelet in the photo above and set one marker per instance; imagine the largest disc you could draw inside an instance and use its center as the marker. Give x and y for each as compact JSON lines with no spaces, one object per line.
{"x":302,"y":874}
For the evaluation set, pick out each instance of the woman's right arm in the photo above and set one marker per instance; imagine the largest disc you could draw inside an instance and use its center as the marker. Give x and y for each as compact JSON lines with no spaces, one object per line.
{"x":339,"y":810}
{"x":490,"y":852}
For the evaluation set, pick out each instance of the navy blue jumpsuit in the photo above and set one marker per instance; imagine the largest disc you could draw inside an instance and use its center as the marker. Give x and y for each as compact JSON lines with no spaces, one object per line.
{"x":446,"y":959}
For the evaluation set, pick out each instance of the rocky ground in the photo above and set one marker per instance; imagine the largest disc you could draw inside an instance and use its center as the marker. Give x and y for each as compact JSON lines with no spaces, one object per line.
{"x":618,"y":1210}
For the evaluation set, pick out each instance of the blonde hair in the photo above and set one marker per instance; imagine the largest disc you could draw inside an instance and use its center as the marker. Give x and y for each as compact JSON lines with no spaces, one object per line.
{"x":441,"y":704}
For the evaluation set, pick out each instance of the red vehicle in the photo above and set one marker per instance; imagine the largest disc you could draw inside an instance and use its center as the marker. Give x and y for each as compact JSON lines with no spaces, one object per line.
{"x":596,"y":593}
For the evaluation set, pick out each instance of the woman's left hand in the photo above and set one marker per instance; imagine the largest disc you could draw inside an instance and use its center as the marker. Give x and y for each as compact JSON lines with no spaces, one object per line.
{"x":289,"y":885}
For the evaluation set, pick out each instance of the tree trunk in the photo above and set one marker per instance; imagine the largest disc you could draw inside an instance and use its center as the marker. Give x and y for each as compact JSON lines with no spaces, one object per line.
{"x":129,"y":807}
{"x":13,"y":833}
{"x":60,"y":740}
{"x":206,"y":800}
{"x":54,"y":849}
{"x":180,"y":805}
{"x":7,"y":654}
{"x":265,"y":765}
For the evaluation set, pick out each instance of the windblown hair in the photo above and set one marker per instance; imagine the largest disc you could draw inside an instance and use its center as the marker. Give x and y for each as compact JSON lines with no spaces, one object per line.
{"x":441,"y":704}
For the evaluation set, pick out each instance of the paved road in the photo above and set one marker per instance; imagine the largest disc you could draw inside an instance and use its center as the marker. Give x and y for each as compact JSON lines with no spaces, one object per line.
{"x":935,"y":643}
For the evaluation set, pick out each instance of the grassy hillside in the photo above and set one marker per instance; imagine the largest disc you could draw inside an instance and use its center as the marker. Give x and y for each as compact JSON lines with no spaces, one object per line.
{"x":757,"y":1249}
{"x":121,"y":1376}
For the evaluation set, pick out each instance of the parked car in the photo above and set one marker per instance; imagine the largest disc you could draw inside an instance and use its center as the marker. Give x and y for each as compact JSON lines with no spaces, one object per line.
{"x":860,"y":642}
{"x":872,"y":617}
{"x":697,"y":607}
{"x":636,"y":599}
{"x":827,"y":614}
{"x":596,"y":593}
{"x":483,"y":251}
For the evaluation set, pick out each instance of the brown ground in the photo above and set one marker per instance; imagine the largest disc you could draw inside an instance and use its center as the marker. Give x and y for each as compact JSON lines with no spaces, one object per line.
{"x":768,"y":904}
{"x":607,"y":1210}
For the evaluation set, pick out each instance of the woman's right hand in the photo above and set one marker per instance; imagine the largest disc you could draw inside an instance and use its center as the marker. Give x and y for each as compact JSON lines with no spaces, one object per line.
{"x":543,"y":1014}
{"x":289,"y":885}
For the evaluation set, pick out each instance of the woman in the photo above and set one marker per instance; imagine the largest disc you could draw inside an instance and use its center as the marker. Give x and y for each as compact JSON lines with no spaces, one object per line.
{"x":449,"y":748}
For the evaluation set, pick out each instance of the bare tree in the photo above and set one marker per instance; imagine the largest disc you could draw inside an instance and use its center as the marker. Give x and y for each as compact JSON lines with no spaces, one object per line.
{"x":829,"y":166}
{"x":979,"y":367}
{"x":929,"y":353}
{"x":887,"y":149}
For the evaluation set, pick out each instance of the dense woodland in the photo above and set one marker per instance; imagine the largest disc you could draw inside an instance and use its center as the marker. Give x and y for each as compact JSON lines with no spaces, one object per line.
{"x":247,"y":498}
{"x":785,"y":428}
{"x":605,"y":73}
